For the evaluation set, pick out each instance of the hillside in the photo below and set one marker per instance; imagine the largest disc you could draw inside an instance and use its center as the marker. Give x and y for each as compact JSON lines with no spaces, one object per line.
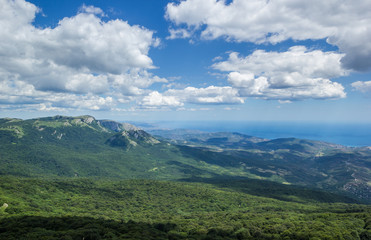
{"x":82,"y":147}
{"x":286,"y":160}
{"x":85,"y":147}
{"x":149,"y":209}
{"x":82,"y":178}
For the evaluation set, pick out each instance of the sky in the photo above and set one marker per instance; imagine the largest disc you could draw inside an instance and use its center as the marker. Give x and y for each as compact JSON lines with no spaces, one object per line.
{"x":199,"y":60}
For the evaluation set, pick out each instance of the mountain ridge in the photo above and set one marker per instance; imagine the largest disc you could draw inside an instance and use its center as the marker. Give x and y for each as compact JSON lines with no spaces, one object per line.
{"x":86,"y":147}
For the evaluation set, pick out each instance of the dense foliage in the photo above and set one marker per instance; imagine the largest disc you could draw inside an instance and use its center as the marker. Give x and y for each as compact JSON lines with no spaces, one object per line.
{"x":145,"y":209}
{"x":85,"y":147}
{"x":81,"y":178}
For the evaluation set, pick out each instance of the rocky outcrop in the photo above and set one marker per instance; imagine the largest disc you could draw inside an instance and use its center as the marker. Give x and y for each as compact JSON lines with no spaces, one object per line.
{"x":131,"y":138}
{"x":116,"y":126}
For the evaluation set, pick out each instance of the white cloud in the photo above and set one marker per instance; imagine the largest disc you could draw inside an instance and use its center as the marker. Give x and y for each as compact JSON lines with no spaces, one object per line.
{"x":178,"y":33}
{"x":92,"y":10}
{"x":65,"y":101}
{"x":292,"y":75}
{"x":157,"y":100}
{"x":179,"y":97}
{"x":91,"y":102}
{"x":364,"y":87}
{"x":86,"y":83}
{"x":284,"y":101}
{"x":48,"y":107}
{"x":134,"y":82}
{"x":81,"y":56}
{"x":15,"y":94}
{"x":343,"y":23}
{"x":18,"y":92}
{"x":85,"y":41}
{"x":208,"y":95}
{"x":82,"y":102}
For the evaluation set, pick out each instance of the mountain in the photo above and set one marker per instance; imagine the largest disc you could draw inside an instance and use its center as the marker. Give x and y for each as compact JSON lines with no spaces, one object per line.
{"x":85,"y":147}
{"x":234,"y":140}
{"x":83,"y":178}
{"x":116,"y":126}
{"x":287,"y":160}
{"x":218,"y":139}
{"x":86,"y":208}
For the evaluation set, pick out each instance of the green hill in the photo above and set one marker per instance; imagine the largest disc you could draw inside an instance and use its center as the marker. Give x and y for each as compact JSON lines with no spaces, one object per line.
{"x":86,"y":147}
{"x":151,"y":209}
{"x":83,"y":146}
{"x":286,"y":160}
{"x":82,"y":178}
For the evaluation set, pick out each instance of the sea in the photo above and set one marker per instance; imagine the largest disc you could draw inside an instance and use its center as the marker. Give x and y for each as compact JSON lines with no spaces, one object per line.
{"x":347,"y":134}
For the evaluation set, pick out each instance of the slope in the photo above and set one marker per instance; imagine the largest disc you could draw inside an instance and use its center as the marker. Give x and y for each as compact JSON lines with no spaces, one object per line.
{"x":83,"y":146}
{"x":149,"y":209}
{"x":287,"y":160}
{"x":86,"y":147}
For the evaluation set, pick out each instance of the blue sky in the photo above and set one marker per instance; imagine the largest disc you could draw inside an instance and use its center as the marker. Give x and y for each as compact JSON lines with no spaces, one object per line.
{"x":146,"y":60}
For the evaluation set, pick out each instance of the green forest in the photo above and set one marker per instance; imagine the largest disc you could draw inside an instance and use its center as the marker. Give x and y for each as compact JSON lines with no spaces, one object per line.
{"x":81,"y":178}
{"x":152,"y":209}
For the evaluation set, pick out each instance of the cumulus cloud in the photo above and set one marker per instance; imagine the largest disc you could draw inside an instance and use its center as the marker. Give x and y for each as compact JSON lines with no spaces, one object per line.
{"x":178,"y":97}
{"x":292,"y":75}
{"x":85,"y":83}
{"x":18,"y":92}
{"x":91,"y":9}
{"x":133,"y":83}
{"x":364,"y":87}
{"x":342,"y":23}
{"x":208,"y":95}
{"x":15,"y":94}
{"x":81,"y":56}
{"x":178,"y":33}
{"x":157,"y":100}
{"x":85,"y":41}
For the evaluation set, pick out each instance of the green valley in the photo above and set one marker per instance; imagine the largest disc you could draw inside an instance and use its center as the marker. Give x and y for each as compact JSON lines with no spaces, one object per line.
{"x":151,"y":209}
{"x":82,"y":178}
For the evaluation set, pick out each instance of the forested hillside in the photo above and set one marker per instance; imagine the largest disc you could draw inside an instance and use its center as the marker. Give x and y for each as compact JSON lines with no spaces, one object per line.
{"x":83,"y":146}
{"x":82,"y":178}
{"x":148,"y":209}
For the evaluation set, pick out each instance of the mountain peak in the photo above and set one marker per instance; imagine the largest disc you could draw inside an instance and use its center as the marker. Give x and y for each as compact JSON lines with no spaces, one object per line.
{"x":131,"y":138}
{"x":116,"y":126}
{"x":87,"y":118}
{"x":84,"y":118}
